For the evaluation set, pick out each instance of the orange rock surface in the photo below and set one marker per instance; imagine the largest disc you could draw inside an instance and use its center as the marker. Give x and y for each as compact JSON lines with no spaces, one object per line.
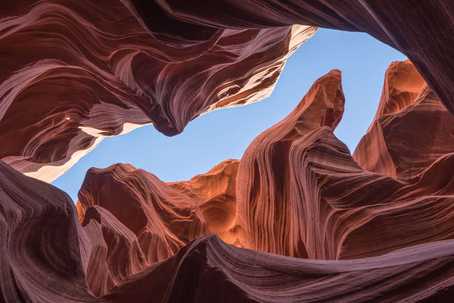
{"x":140,"y":220}
{"x":411,"y":130}
{"x":300,"y":193}
{"x":296,"y":192}
{"x":73,"y":72}
{"x":297,"y":219}
{"x":305,"y":223}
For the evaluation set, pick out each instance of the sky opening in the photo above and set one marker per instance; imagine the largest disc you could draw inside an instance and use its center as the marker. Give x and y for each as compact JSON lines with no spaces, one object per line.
{"x":226,"y":133}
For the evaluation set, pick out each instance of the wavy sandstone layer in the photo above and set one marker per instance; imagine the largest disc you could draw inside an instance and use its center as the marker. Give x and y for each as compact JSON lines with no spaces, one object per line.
{"x":297,"y":219}
{"x":75,"y":71}
{"x":144,"y":220}
{"x":297,"y":192}
{"x":45,"y":255}
{"x":45,"y":252}
{"x":422,"y":30}
{"x":411,"y":130}
{"x":300,"y":193}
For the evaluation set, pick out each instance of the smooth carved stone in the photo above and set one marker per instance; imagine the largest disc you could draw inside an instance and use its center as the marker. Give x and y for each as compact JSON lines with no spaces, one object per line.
{"x":75,"y":71}
{"x":44,"y":259}
{"x":297,"y":202}
{"x":163,"y":219}
{"x":297,"y":192}
{"x":99,"y":72}
{"x":411,"y":129}
{"x":422,"y":30}
{"x":116,"y":253}
{"x":300,"y":193}
{"x":135,"y":220}
{"x":271,"y":216}
{"x":215,"y":192}
{"x":209,"y":270}
{"x":41,"y":247}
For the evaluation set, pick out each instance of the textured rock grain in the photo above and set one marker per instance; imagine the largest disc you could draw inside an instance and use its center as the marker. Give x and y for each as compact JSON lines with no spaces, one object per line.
{"x":422,"y":30}
{"x":300,"y":219}
{"x":296,"y":219}
{"x":75,"y":71}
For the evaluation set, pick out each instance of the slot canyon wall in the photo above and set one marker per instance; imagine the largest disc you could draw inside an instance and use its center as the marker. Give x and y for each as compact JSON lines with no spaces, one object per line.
{"x":297,"y":219}
{"x":74,"y":72}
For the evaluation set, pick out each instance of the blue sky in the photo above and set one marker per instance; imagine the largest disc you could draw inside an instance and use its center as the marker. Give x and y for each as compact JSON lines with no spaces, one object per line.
{"x":225,"y":134}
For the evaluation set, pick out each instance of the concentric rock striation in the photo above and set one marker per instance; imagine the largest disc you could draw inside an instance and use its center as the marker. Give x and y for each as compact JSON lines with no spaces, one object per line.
{"x":41,"y":246}
{"x":139,"y":220}
{"x":297,"y":219}
{"x":300,"y":193}
{"x":211,"y":271}
{"x":76,"y":71}
{"x":411,"y":130}
{"x":45,"y":253}
{"x":269,"y":169}
{"x":297,"y":192}
{"x":422,"y":30}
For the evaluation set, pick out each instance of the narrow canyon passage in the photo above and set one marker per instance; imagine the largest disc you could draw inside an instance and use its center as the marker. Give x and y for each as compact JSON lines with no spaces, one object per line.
{"x":231,"y":130}
{"x":226,"y":151}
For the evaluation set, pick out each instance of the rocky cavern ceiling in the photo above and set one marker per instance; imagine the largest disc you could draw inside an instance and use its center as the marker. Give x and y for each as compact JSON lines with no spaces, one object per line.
{"x":298,"y":218}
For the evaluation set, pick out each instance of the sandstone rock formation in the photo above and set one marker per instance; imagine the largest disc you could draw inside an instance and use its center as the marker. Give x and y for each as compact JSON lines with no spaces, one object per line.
{"x":296,"y":219}
{"x":300,"y":220}
{"x":422,"y":30}
{"x":211,"y":271}
{"x":42,"y":249}
{"x":101,"y":69}
{"x":73,"y":72}
{"x":45,"y":256}
{"x":411,"y":130}
{"x":300,"y":192}
{"x":140,"y":220}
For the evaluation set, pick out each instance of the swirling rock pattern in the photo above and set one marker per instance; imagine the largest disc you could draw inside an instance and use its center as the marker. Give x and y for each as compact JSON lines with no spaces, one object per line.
{"x":392,"y":146}
{"x":102,"y":69}
{"x":300,"y":192}
{"x":211,"y":271}
{"x":305,"y":222}
{"x":74,"y":72}
{"x":139,"y":220}
{"x":45,"y":253}
{"x":296,"y":219}
{"x":422,"y":30}
{"x":41,"y":251}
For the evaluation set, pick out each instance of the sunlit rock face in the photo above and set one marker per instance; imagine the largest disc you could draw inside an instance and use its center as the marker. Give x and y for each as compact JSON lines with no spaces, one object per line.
{"x":300,"y":193}
{"x":422,"y":30}
{"x":296,"y":219}
{"x":73,"y":72}
{"x":140,"y":220}
{"x":411,"y":130}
